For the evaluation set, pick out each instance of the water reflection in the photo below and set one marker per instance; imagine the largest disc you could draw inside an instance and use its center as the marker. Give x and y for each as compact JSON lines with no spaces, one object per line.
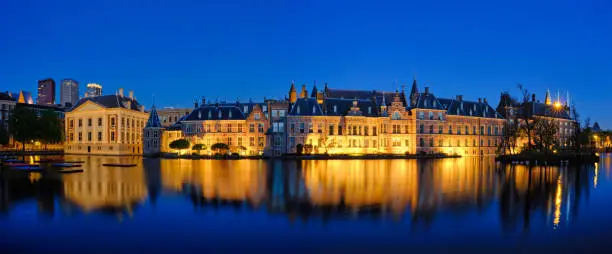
{"x":420,"y":193}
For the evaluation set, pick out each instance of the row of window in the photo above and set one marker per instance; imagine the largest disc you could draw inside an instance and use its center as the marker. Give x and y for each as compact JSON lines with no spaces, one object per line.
{"x":134,"y":123}
{"x":239,"y":141}
{"x":130,"y":137}
{"x":229,"y":128}
{"x":457,"y":143}
{"x":465,"y":130}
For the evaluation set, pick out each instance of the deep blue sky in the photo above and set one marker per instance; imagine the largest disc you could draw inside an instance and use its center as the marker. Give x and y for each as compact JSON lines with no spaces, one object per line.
{"x":182,"y":49}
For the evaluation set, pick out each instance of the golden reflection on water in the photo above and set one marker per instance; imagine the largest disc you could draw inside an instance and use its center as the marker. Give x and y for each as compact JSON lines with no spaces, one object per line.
{"x":100,"y":187}
{"x":419,"y":188}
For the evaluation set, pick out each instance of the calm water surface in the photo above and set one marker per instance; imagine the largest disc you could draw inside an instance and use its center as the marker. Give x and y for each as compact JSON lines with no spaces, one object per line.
{"x":184,"y":206}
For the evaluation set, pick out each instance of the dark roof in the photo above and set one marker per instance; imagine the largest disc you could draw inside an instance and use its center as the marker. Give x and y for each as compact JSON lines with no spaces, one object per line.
{"x":306,"y":107}
{"x":541,"y":109}
{"x":343,"y":106}
{"x":428,"y":101}
{"x":468,"y":108}
{"x":364,"y":95}
{"x":211,"y":112}
{"x":153,"y":121}
{"x":6,"y":97}
{"x":111,"y":101}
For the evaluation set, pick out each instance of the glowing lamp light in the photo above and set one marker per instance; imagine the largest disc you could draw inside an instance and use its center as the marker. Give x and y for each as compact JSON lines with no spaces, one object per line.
{"x":557,"y":104}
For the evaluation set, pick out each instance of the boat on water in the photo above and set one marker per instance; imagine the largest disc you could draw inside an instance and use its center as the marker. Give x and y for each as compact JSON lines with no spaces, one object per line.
{"x":21,"y":164}
{"x":13,"y":161}
{"x":30,"y":168}
{"x":65,"y":165}
{"x":70,"y":171}
{"x":118,"y":165}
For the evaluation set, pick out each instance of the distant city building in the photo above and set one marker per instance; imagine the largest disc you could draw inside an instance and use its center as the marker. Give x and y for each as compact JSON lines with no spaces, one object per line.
{"x":46,"y":92}
{"x":93,"y":90}
{"x":108,"y":125}
{"x":69,"y":92}
{"x":169,"y":116}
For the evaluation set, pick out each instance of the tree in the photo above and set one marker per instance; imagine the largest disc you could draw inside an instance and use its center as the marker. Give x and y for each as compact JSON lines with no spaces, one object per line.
{"x":299,"y":148}
{"x":308,"y":148}
{"x":545,"y":133}
{"x":510,"y":135}
{"x":22,"y":125}
{"x":179,"y":144}
{"x":199,"y":147}
{"x":4,"y":136}
{"x":220,"y":147}
{"x":241,"y":149}
{"x":49,"y":129}
{"x":527,"y":125}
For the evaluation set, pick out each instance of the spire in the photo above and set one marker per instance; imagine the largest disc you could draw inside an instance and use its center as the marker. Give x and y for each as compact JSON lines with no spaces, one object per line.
{"x":414,"y":93}
{"x":314,"y":91}
{"x":547,"y":100}
{"x":153,"y":121}
{"x":292,"y":93}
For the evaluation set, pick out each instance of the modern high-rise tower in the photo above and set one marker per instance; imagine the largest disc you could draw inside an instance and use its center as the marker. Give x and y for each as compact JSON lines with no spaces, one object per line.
{"x":69,"y":92}
{"x":93,"y":90}
{"x":46,"y":92}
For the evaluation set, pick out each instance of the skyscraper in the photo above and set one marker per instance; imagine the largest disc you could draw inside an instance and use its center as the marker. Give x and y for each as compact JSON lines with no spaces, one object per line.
{"x":93,"y":90}
{"x":69,"y":93}
{"x":46,"y":92}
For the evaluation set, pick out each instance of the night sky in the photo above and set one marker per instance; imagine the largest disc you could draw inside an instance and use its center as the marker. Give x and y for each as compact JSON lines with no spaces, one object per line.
{"x":226,"y":49}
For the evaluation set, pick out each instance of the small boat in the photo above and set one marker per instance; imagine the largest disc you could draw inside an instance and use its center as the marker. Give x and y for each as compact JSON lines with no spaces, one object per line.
{"x":70,"y":171}
{"x":21,"y":164}
{"x":13,"y":161}
{"x":45,"y":160}
{"x":27,"y":168}
{"x":65,"y":165}
{"x":118,"y":165}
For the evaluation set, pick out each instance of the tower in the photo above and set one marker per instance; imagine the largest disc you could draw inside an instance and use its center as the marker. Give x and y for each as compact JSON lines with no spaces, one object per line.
{"x":547,"y":100}
{"x":152,"y":134}
{"x":304,"y":92}
{"x":414,"y":93}
{"x":69,"y":92}
{"x":292,"y":93}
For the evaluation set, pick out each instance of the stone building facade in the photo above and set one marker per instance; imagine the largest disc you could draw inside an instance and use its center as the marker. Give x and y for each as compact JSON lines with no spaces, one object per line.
{"x":105,"y":125}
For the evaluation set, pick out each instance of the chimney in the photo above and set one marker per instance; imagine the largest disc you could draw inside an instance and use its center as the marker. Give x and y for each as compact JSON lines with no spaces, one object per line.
{"x":533,"y":98}
{"x":132,"y":95}
{"x":195,"y":103}
{"x":141,"y":108}
{"x":460,"y":97}
{"x":203,"y":100}
{"x":479,"y":100}
{"x":426,"y":90}
{"x":121,"y":92}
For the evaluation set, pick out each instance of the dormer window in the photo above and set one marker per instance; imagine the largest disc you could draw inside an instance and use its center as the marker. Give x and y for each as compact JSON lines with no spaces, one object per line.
{"x":298,"y":110}
{"x":219,"y":113}
{"x":434,"y":104}
{"x":314,"y":109}
{"x":369,"y":110}
{"x":335,"y":109}
{"x":258,"y":116}
{"x":470,"y":112}
{"x":457,"y":111}
{"x":209,"y":115}
{"x":246,"y":109}
{"x":265,"y":108}
{"x":199,"y":114}
{"x":396,"y":115}
{"x":425,"y":103}
{"x":230,"y":114}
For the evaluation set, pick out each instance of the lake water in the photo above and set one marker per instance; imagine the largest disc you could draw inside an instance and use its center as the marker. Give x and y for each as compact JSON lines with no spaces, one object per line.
{"x":183,"y":206}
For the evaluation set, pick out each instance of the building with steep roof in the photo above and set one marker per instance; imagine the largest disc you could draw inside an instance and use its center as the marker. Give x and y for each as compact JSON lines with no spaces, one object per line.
{"x":241,"y":126}
{"x":105,"y":125}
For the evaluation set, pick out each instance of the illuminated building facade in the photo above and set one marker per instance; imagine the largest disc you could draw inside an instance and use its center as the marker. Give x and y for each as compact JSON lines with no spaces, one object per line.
{"x":105,"y":125}
{"x":169,"y":116}
{"x":242,"y":127}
